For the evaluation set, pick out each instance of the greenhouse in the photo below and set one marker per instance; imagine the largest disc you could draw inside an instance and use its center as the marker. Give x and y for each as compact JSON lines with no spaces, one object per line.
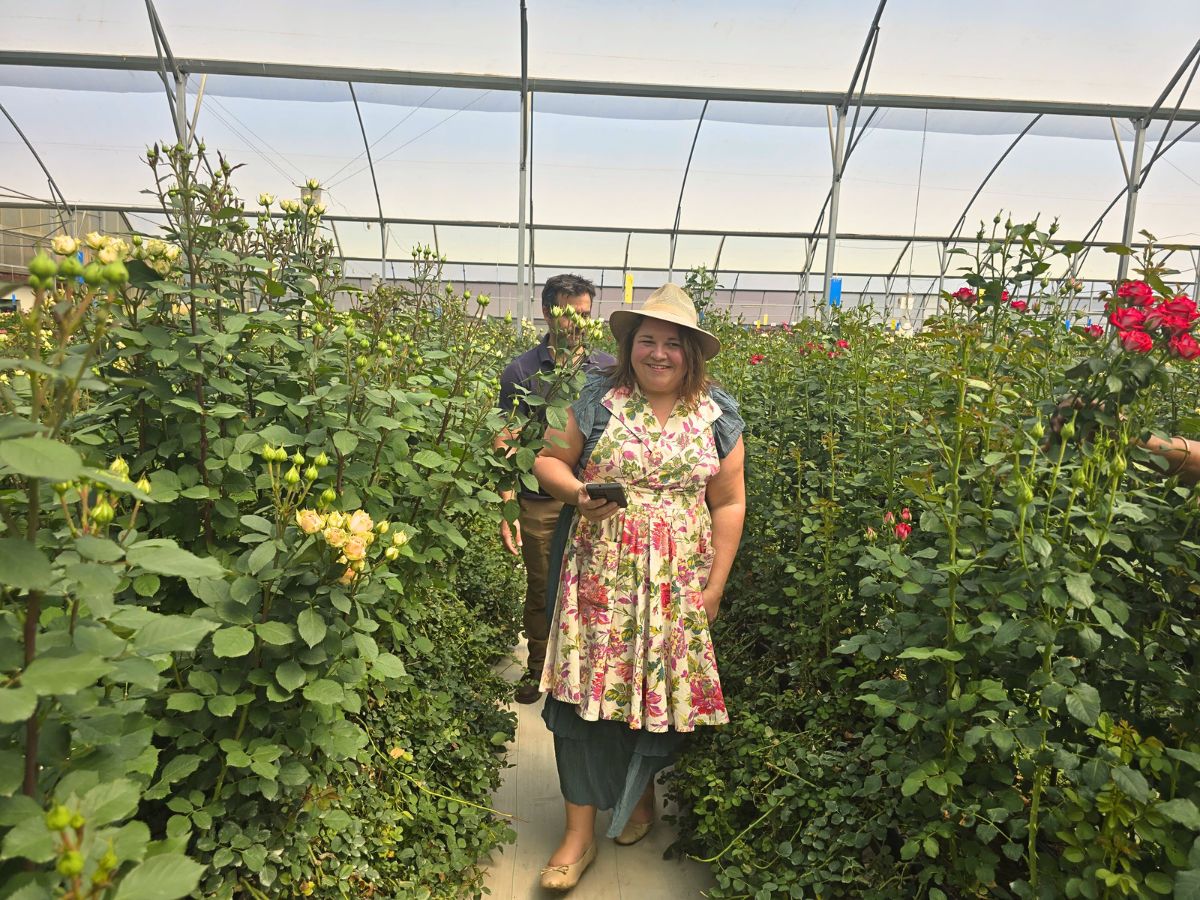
{"x":640,"y":450}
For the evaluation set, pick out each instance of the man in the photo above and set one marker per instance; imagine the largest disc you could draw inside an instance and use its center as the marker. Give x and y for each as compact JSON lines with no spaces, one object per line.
{"x":530,"y":536}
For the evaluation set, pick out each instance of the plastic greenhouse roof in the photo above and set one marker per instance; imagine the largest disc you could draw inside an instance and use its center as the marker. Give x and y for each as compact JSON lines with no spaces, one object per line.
{"x":950,"y":87}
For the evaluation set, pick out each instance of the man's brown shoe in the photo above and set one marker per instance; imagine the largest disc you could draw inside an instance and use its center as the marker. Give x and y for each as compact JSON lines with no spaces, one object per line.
{"x":528,"y":691}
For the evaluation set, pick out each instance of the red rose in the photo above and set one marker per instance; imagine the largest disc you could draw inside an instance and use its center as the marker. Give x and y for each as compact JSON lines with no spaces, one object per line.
{"x":1019,"y":305}
{"x":965,"y":295}
{"x":1136,"y":341}
{"x":757,"y":358}
{"x":1184,"y":346}
{"x":1129,"y":318}
{"x":1004,"y":297}
{"x":1181,"y":311}
{"x":843,"y":343}
{"x":1138,"y":291}
{"x":903,"y":531}
{"x":1093,"y":331}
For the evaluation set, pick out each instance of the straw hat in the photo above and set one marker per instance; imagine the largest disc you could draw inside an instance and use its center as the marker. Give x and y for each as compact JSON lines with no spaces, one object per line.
{"x":670,"y":303}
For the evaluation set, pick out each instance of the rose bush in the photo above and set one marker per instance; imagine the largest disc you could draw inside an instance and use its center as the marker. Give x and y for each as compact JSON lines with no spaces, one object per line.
{"x":993,"y":695}
{"x":256,"y":659}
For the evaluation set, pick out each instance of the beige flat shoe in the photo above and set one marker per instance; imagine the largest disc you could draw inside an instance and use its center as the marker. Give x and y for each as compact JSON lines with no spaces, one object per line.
{"x":633,"y":832}
{"x":563,"y":878}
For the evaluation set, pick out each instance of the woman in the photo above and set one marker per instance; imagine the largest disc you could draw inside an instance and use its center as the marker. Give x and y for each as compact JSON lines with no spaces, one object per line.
{"x":630,"y":666}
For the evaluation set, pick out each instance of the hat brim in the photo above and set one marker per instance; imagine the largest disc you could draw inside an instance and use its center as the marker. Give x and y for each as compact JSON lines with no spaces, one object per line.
{"x":622,"y":321}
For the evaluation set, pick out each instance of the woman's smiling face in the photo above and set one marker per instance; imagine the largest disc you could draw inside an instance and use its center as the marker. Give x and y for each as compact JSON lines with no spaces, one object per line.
{"x":657,"y":357}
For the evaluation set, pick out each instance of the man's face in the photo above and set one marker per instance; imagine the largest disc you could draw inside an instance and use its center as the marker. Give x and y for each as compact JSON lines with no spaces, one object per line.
{"x":566,"y":333}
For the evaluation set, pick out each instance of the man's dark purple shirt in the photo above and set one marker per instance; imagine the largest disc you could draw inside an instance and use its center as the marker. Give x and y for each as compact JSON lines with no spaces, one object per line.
{"x":523,"y":372}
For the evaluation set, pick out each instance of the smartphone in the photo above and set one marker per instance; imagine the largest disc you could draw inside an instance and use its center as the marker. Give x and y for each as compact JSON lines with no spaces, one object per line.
{"x":610,"y":491}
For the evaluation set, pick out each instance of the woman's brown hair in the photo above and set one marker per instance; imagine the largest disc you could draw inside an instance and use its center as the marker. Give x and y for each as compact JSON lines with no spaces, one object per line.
{"x":695,"y":377}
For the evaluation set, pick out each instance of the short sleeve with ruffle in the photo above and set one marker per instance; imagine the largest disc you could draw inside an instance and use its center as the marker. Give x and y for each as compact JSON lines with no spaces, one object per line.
{"x":728,"y":428}
{"x":588,"y":407}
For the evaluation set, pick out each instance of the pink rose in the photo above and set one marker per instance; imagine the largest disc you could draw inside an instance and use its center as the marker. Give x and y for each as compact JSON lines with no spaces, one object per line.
{"x":843,"y":343}
{"x":889,"y":517}
{"x":1093,"y":331}
{"x":1127,"y":319}
{"x":1004,"y":297}
{"x":903,"y":530}
{"x":965,"y":295}
{"x":1136,"y":341}
{"x":1138,"y":291}
{"x":1019,"y":305}
{"x":1184,"y":346}
{"x":905,"y":515}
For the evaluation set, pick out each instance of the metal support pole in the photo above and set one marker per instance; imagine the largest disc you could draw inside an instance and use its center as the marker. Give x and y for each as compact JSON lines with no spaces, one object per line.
{"x":191,"y":135}
{"x":839,"y":151}
{"x":1196,"y":286}
{"x":679,"y":206}
{"x":524,"y":296}
{"x":375,"y":183}
{"x":181,"y":107}
{"x":1135,"y":179}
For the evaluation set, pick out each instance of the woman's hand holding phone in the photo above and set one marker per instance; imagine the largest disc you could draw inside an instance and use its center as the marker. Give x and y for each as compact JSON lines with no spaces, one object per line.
{"x":594,"y":509}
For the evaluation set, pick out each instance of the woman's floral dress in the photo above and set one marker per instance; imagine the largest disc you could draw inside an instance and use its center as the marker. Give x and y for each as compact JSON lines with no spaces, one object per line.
{"x":630,"y":639}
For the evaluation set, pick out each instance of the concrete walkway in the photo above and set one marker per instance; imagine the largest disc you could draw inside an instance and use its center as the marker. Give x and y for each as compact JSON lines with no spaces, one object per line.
{"x":530,"y":792}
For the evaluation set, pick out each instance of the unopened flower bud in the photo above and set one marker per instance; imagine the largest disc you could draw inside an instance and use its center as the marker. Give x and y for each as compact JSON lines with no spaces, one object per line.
{"x":292,"y":476}
{"x":78,"y":821}
{"x":350,"y":331}
{"x":383,"y":527}
{"x":143,"y":485}
{"x":1078,"y":479}
{"x":328,"y":496}
{"x":70,"y":268}
{"x":70,"y":864}
{"x":120,"y":468}
{"x":43,"y":266}
{"x":62,"y":487}
{"x":321,"y":461}
{"x":115,"y":273}
{"x":58,"y":818}
{"x":93,"y":274}
{"x":297,"y":458}
{"x":362,"y":362}
{"x":1068,"y":430}
{"x":311,"y":473}
{"x":1038,"y":431}
{"x":391,"y":553}
{"x":102,"y":513}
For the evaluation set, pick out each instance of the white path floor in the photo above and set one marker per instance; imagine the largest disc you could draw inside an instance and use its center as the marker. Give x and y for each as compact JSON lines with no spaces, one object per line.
{"x":530,"y":792}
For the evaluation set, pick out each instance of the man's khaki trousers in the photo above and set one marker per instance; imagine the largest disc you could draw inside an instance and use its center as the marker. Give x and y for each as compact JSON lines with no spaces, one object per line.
{"x":538,"y":518}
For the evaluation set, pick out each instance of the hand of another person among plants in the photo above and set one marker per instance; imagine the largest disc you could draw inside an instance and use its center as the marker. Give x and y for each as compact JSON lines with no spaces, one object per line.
{"x":711,"y":598}
{"x":594,"y":510}
{"x":510,"y":535}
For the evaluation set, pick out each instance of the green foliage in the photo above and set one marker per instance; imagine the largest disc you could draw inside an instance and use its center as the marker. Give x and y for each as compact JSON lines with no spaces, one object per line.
{"x":260,"y":669}
{"x":990,"y":623}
